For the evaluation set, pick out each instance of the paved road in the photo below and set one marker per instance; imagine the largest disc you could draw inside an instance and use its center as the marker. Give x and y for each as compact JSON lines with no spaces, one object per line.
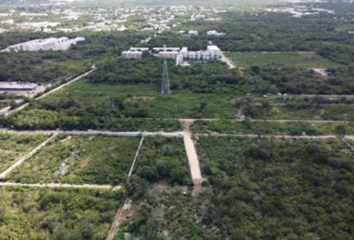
{"x":61,"y":185}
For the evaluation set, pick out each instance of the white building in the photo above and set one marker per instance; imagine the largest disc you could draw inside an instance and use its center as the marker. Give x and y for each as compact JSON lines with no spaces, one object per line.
{"x":193,"y":33}
{"x":180,"y":55}
{"x":54,"y":44}
{"x":166,"y":52}
{"x":212,"y":53}
{"x":134,"y":53}
{"x":215,"y":33}
{"x":17,"y":86}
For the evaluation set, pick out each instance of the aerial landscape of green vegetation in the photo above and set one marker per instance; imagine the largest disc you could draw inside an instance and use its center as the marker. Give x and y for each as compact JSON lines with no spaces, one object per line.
{"x":305,"y":60}
{"x":12,"y":147}
{"x":266,"y":189}
{"x":163,"y":159}
{"x":48,"y":214}
{"x":78,"y":160}
{"x":166,"y":211}
{"x":272,"y":128}
{"x":255,"y":143}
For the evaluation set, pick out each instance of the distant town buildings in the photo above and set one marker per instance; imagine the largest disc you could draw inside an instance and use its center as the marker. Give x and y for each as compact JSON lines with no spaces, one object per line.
{"x":300,"y":11}
{"x":53,"y":44}
{"x":200,"y":18}
{"x":180,"y":55}
{"x":36,"y":25}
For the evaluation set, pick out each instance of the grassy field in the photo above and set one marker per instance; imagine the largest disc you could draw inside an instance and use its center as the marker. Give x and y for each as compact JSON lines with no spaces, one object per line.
{"x":80,"y":160}
{"x":56,"y":214}
{"x":119,"y":108}
{"x":146,"y":97}
{"x":280,"y":59}
{"x":279,"y":189}
{"x":12,"y":147}
{"x":280,"y":128}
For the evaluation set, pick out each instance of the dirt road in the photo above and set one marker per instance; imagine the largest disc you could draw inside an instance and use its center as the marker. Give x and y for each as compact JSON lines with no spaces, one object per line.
{"x":191,"y":153}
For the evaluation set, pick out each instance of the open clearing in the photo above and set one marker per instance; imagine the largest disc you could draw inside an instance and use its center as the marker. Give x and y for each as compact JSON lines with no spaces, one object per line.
{"x":280,"y":59}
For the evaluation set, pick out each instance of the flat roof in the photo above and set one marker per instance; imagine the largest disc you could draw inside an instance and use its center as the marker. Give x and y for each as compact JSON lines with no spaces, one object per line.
{"x":213,"y":47}
{"x":17,"y":85}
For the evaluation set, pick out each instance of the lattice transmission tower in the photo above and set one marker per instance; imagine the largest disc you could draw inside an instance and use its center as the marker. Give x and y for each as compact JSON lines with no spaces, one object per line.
{"x":165,"y":88}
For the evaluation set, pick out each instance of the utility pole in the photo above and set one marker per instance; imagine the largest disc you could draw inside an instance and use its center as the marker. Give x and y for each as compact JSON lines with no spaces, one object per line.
{"x":165,"y":88}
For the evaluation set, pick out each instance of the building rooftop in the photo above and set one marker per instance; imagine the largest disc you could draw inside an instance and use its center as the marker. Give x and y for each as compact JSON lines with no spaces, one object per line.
{"x":17,"y":85}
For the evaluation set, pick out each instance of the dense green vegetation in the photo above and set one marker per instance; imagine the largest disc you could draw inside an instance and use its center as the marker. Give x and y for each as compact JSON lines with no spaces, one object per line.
{"x":280,"y":189}
{"x":32,"y":67}
{"x":14,"y":146}
{"x":280,"y":59}
{"x":210,"y":77}
{"x":119,"y":108}
{"x":163,"y":159}
{"x":80,"y":160}
{"x":277,"y":128}
{"x":48,"y":66}
{"x":256,"y":188}
{"x":298,"y":111}
{"x":56,"y":214}
{"x":172,"y":40}
{"x":168,"y":213}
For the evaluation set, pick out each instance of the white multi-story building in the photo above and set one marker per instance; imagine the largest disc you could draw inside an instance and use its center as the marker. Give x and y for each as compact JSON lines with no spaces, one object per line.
{"x":134,"y":53}
{"x":166,"y":52}
{"x":180,"y":55}
{"x":212,"y":53}
{"x":53,"y":44}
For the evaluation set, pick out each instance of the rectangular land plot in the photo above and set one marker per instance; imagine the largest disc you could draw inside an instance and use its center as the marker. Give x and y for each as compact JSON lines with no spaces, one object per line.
{"x":294,"y":111}
{"x":15,"y":146}
{"x":270,"y":128}
{"x":168,"y":213}
{"x":29,"y":213}
{"x":80,"y":160}
{"x":130,"y":101}
{"x":163,"y":159}
{"x":147,"y":98}
{"x":280,"y":59}
{"x":270,"y":189}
